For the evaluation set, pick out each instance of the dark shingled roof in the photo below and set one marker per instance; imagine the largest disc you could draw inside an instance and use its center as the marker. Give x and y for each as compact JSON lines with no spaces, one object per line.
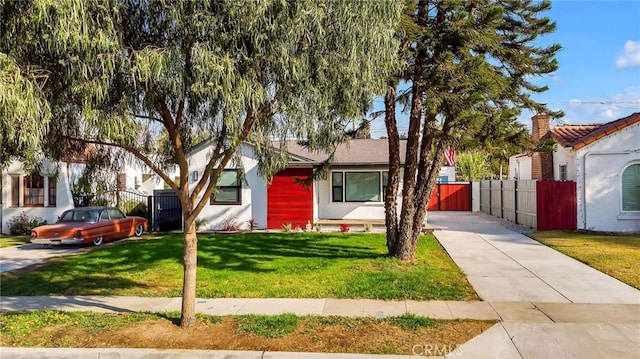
{"x":578,"y":136}
{"x":355,"y":152}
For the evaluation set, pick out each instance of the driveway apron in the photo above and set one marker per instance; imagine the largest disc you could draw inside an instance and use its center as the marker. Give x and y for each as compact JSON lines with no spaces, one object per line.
{"x":12,"y":258}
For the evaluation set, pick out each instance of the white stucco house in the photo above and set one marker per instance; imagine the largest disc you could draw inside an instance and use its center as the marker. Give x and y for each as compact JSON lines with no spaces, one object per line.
{"x":45,"y":194}
{"x":353,"y":190}
{"x":603,"y":160}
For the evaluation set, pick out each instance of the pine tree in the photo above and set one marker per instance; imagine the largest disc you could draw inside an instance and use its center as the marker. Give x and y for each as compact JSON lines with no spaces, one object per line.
{"x":468,"y":64}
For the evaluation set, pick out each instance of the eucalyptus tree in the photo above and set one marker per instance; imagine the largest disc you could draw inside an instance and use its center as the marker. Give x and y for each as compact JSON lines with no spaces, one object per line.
{"x":23,"y":113}
{"x":122,"y":72}
{"x":466,"y":64}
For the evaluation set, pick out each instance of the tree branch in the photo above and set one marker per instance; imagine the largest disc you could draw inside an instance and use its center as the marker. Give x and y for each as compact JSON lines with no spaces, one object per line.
{"x":141,"y":156}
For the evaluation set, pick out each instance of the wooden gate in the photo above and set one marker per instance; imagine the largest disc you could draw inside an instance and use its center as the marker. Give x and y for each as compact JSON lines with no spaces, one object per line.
{"x":556,"y":205}
{"x":451,"y":197}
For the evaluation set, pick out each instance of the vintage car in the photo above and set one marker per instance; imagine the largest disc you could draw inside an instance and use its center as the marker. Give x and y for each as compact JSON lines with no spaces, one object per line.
{"x":89,"y":225}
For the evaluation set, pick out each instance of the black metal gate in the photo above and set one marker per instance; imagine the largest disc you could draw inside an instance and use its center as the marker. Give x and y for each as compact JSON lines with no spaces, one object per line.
{"x":167,"y":211}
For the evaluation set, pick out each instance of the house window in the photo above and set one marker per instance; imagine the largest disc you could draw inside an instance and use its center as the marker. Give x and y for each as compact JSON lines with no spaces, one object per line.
{"x":33,"y":190}
{"x":337,"y":187}
{"x":52,"y":191}
{"x":362,"y":187}
{"x":228,"y":190}
{"x":15,"y":191}
{"x":358,"y":186}
{"x":562,"y":172}
{"x":631,"y":188}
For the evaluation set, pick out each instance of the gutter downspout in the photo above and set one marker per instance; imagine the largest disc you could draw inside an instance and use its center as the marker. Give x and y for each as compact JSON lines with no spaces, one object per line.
{"x":584,"y":179}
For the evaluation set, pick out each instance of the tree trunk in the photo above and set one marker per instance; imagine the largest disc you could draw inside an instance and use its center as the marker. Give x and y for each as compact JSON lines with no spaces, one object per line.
{"x":190,"y":261}
{"x":391,"y":194}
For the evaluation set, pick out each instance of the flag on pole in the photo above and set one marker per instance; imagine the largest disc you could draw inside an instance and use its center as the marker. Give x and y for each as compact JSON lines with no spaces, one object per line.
{"x":450,"y":156}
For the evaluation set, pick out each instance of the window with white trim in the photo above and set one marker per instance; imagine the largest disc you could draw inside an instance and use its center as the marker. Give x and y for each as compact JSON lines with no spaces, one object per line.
{"x":33,"y":190}
{"x":631,"y":188}
{"x":562,"y":172}
{"x":357,"y":186}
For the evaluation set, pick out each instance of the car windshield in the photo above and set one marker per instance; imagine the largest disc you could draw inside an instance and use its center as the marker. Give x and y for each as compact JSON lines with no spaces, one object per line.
{"x":79,"y":216}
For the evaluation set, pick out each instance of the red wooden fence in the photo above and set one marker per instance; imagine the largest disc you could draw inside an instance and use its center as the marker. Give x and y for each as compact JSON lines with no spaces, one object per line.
{"x":450,"y":197}
{"x":556,"y":205}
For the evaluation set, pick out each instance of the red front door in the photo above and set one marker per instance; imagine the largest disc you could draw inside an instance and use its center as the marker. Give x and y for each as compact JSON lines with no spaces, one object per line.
{"x":289,"y":201}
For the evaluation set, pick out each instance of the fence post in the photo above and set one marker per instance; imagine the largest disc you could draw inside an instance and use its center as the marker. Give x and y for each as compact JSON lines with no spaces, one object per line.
{"x":150,"y":212}
{"x":490,"y":195}
{"x":471,"y":196}
{"x":515,"y":201}
{"x":501,"y":199}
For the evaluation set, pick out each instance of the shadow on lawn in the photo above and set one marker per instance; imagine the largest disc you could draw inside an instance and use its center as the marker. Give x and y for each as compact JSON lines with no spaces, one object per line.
{"x":244,"y":252}
{"x":100,"y":270}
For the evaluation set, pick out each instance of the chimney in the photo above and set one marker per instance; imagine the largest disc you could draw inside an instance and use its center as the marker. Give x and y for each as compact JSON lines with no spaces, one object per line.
{"x":541,"y":162}
{"x":539,"y":126}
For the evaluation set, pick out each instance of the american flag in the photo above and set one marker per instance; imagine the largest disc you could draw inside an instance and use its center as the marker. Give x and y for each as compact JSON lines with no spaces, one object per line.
{"x":450,"y":155}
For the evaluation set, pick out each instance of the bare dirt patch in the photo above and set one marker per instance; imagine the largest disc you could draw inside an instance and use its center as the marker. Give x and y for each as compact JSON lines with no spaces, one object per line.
{"x":310,"y":335}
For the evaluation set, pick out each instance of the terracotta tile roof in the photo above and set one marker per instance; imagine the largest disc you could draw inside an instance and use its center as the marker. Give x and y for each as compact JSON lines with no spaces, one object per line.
{"x":356,"y":152}
{"x":566,"y":135}
{"x":578,"y":136}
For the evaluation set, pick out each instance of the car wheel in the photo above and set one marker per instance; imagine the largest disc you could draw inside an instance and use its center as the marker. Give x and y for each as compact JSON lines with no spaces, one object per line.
{"x":139,"y":230}
{"x":98,"y":241}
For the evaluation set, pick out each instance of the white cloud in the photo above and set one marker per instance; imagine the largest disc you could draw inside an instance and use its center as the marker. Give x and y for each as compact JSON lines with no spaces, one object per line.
{"x":630,"y":56}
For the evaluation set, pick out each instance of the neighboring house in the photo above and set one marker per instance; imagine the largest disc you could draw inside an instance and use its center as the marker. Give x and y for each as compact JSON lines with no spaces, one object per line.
{"x":603,"y":160}
{"x":352,"y":190}
{"x":46,"y":194}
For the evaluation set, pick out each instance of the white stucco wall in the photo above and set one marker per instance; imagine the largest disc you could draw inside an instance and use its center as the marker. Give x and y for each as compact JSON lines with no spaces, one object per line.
{"x":64,"y":199}
{"x":254,"y":192}
{"x":520,"y":167}
{"x":564,"y":156}
{"x":328,"y":209}
{"x":449,"y":172}
{"x":599,"y":171}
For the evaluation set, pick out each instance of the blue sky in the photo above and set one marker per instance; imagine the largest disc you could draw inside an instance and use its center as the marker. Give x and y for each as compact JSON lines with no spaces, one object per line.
{"x":598,"y":79}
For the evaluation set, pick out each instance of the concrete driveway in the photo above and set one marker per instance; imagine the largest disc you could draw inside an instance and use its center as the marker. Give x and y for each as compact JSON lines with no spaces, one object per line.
{"x":551,"y":305}
{"x":506,"y":266}
{"x":12,"y":258}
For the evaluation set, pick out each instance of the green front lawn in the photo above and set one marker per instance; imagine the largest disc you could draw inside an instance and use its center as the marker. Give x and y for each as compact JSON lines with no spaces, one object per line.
{"x":616,"y":255}
{"x":10,"y":241}
{"x":253,"y":265}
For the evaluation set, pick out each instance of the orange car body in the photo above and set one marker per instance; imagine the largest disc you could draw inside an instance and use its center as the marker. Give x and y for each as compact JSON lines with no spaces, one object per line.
{"x":90,"y":225}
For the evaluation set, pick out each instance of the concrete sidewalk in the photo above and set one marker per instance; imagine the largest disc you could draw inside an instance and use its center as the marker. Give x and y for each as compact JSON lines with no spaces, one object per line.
{"x":527,"y":330}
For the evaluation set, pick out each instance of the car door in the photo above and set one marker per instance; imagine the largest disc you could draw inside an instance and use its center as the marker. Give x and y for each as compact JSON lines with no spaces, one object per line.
{"x":104,"y":226}
{"x":123,"y":226}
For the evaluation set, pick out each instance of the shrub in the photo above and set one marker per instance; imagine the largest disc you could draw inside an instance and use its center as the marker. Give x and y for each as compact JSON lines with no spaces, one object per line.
{"x":229,"y":224}
{"x":199,"y":223}
{"x":344,"y":228}
{"x":133,"y":208}
{"x":253,"y":224}
{"x":23,"y":224}
{"x":287,"y":227}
